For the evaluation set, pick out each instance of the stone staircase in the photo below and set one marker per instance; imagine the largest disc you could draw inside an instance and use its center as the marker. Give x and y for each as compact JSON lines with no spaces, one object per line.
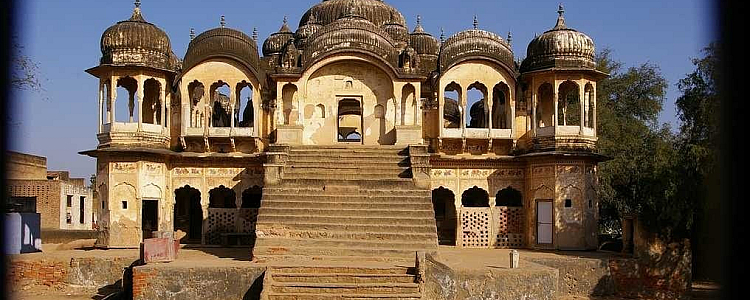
{"x":347,"y":204}
{"x":339,"y":282}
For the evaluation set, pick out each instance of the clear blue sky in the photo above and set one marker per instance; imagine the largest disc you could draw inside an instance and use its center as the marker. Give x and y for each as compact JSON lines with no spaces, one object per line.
{"x":63,"y":38}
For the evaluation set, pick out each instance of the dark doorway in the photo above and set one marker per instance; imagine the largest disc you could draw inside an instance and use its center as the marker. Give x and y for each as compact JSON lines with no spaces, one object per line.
{"x":443,"y":202}
{"x":81,"y":209}
{"x":149,"y":217}
{"x":251,"y":197}
{"x":188,"y":214}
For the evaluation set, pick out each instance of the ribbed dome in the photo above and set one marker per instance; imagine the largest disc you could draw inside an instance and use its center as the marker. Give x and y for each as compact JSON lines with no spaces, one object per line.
{"x":398,"y":32}
{"x":560,"y":47}
{"x":375,"y":11}
{"x":423,"y":42}
{"x":306,"y":31}
{"x":276,"y":42}
{"x":222,"y":42}
{"x":350,"y":32}
{"x":476,"y":43}
{"x":135,"y":42}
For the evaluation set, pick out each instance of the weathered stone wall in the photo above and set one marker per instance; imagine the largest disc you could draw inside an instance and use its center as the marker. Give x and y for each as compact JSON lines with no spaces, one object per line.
{"x":25,"y":166}
{"x":444,"y":283}
{"x":82,"y":271}
{"x":209,"y":283}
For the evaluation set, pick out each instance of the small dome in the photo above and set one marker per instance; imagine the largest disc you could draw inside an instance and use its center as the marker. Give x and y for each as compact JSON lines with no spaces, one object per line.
{"x":306,"y":31}
{"x":423,"y":42}
{"x":560,"y":47}
{"x":375,"y":11}
{"x":352,"y":32}
{"x":135,"y":42}
{"x":276,"y":42}
{"x":222,"y":42}
{"x":476,"y":43}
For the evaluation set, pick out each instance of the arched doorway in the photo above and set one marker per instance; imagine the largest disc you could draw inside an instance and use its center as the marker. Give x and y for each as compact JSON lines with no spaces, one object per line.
{"x":188,"y":214}
{"x":444,"y":205}
{"x":349,"y":121}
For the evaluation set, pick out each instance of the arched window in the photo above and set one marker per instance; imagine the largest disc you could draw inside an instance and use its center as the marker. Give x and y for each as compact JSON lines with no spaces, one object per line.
{"x":545,"y":108}
{"x":196,"y":92}
{"x":288,"y":94}
{"x":151,"y":102}
{"x":451,"y":107}
{"x":477,"y":111}
{"x":408,"y":105}
{"x":221,"y":197}
{"x":475,"y":197}
{"x":568,"y":105}
{"x":509,"y":197}
{"x":244,"y":115}
{"x":221,"y":105}
{"x":500,"y":106}
{"x":126,"y":105}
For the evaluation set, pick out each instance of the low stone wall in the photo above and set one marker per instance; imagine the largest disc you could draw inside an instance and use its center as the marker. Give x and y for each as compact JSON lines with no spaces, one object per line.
{"x":190,"y":282}
{"x":87,"y":272}
{"x":579,"y":276}
{"x":58,"y":236}
{"x":447,"y":284}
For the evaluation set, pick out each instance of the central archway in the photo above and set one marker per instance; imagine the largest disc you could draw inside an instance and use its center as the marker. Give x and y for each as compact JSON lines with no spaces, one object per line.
{"x":349,"y":125}
{"x":361,"y":102}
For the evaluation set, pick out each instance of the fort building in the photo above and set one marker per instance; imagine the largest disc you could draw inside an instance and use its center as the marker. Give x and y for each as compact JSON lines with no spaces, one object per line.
{"x":355,"y":135}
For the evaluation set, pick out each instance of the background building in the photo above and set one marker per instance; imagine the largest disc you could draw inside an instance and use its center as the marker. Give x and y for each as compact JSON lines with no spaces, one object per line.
{"x":62,"y":202}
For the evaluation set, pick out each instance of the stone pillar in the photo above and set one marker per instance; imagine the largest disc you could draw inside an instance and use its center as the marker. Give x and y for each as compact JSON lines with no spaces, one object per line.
{"x":514,"y":258}
{"x":511,"y":102}
{"x":418,"y":109}
{"x":488,"y":109}
{"x":187,"y":110}
{"x":554,"y":114}
{"x":139,"y":92}
{"x":112,"y":100}
{"x":163,"y":104}
{"x":232,"y":105}
{"x":534,"y":100}
{"x":100,"y":122}
{"x":593,"y":98}
{"x":462,"y":109}
{"x":582,"y":103}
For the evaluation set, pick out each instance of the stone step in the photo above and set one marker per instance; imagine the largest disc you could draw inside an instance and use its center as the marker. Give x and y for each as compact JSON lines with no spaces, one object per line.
{"x":342,"y":277}
{"x":351,"y":191}
{"x":361,"y":183}
{"x":399,"y":172}
{"x":348,"y":212}
{"x":324,"y":296}
{"x":314,"y":163}
{"x":346,"y":244}
{"x":317,"y":259}
{"x":345,"y":288}
{"x":270,"y":252}
{"x":267,"y":219}
{"x":300,"y":202}
{"x":354,"y":235}
{"x":356,"y":228}
{"x":349,"y":176}
{"x":338,"y":268}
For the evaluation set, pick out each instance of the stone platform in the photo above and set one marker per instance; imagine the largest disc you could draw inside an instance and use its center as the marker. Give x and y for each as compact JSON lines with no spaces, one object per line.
{"x":228,"y":273}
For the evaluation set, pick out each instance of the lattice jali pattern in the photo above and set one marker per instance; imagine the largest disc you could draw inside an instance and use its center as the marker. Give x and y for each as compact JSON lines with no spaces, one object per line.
{"x":475,"y":227}
{"x":248,"y":219}
{"x":220,"y":220}
{"x":508,"y":222}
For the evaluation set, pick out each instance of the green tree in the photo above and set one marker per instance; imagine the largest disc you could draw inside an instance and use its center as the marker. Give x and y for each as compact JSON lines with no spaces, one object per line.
{"x":642,"y":152}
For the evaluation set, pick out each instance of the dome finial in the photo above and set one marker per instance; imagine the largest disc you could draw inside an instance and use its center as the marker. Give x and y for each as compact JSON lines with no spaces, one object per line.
{"x":192,"y":33}
{"x":442,"y":35}
{"x":560,"y":19}
{"x":476,"y":22}
{"x":419,"y":28}
{"x":223,"y":21}
{"x":285,"y":25}
{"x":286,"y":20}
{"x":137,"y":12}
{"x":510,"y":38}
{"x":255,"y":34}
